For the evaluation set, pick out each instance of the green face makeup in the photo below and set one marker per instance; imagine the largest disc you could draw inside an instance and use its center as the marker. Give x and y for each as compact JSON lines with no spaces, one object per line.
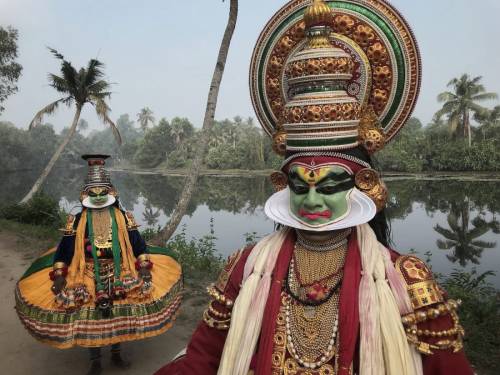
{"x":98,"y":196}
{"x":319,"y":195}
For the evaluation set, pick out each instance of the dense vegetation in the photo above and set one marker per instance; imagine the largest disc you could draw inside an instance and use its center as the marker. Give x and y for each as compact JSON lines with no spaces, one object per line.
{"x":463,"y":136}
{"x":240,"y":144}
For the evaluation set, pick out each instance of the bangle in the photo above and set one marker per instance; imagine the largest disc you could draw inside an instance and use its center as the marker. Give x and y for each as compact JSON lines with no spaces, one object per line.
{"x":58,"y":272}
{"x":143,"y":257}
{"x":141,"y":264}
{"x":431,"y":313}
{"x":219,"y":297}
{"x":59,"y":265}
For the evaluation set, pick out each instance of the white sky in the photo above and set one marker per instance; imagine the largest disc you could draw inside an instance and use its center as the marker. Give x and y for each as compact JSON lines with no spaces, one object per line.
{"x":161,"y":53}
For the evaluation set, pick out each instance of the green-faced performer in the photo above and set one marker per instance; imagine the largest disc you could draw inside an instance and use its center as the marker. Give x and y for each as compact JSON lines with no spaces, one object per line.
{"x":102,"y":285}
{"x":332,"y":82}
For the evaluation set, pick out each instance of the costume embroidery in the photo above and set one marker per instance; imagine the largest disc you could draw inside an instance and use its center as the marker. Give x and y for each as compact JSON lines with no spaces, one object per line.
{"x":422,"y":287}
{"x":226,"y":272}
{"x":131,"y":223}
{"x":69,"y":229}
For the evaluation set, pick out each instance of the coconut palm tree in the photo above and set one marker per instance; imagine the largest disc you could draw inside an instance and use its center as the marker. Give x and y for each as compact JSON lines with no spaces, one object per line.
{"x":151,"y":215}
{"x":208,"y":122}
{"x":490,"y":122}
{"x":78,"y":87}
{"x":177,"y":131}
{"x":463,"y":239}
{"x":459,"y":103}
{"x":145,"y":116}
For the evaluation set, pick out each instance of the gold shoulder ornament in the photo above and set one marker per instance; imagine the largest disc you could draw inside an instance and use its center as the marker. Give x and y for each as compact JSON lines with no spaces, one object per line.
{"x":428,"y":304}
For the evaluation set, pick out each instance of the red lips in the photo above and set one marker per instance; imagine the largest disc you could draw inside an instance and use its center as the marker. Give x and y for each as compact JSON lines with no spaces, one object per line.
{"x":315,"y":215}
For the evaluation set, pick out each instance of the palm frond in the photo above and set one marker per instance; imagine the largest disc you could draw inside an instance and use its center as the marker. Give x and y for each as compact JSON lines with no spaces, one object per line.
{"x":99,"y":88}
{"x":59,"y":84}
{"x":445,"y":245}
{"x":446,"y":96}
{"x":47,"y":110}
{"x":448,"y":234}
{"x":70,"y":74}
{"x":56,"y":54}
{"x":485,"y":96}
{"x":102,"y":110}
{"x":484,"y":244}
{"x":94,"y":72}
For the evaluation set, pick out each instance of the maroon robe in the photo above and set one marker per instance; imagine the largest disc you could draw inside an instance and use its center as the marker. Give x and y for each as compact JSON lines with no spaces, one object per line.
{"x":204,"y":351}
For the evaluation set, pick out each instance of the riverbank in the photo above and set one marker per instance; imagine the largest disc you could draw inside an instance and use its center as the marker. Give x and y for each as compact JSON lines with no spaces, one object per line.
{"x":473,"y":176}
{"x":19,"y":245}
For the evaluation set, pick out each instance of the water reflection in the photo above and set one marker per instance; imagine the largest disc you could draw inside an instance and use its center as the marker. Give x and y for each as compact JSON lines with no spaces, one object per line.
{"x":453,"y":219}
{"x":462,"y":237}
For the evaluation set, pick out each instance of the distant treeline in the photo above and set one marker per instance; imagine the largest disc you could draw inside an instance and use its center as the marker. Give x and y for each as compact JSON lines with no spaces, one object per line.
{"x":238,"y":144}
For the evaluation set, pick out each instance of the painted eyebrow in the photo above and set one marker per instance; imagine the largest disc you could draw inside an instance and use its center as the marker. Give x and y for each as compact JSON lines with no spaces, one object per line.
{"x":335,"y":177}
{"x":296,"y":175}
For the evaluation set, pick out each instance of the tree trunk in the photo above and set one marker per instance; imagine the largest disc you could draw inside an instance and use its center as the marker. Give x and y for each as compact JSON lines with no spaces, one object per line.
{"x":208,"y":121}
{"x":467,"y":126}
{"x":55,"y":157}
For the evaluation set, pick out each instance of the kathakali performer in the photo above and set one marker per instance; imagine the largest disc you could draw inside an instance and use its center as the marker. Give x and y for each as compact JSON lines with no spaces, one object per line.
{"x":332,"y":82}
{"x":102,"y":285}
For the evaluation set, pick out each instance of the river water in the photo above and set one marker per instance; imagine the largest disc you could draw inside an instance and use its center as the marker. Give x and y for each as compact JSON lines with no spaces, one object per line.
{"x":451,"y":222}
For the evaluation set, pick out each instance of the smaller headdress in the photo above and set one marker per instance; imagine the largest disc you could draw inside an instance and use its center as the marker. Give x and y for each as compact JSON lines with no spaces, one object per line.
{"x":97,"y":177}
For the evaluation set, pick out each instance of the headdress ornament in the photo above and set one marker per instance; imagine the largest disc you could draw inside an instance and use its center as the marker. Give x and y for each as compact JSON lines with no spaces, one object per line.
{"x":333,"y":75}
{"x":97,"y":177}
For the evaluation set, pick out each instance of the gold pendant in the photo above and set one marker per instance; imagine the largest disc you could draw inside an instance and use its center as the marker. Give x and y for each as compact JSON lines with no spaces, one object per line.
{"x":309,"y":313}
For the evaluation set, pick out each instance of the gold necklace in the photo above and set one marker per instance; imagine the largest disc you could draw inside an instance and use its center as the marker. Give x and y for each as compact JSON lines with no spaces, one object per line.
{"x":101,"y":225}
{"x":312,"y":329}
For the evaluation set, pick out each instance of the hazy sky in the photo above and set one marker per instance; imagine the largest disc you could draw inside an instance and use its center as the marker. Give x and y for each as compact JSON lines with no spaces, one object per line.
{"x":161,"y":53}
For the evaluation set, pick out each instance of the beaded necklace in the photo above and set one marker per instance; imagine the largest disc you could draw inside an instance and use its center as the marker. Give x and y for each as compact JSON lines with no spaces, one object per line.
{"x":311,"y":307}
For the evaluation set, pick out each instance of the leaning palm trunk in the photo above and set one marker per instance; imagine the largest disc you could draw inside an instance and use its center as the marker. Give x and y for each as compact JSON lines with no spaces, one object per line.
{"x":208,"y":121}
{"x":55,"y":157}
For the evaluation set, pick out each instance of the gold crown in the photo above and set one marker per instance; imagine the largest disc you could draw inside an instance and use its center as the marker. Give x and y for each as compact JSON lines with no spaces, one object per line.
{"x":318,"y":14}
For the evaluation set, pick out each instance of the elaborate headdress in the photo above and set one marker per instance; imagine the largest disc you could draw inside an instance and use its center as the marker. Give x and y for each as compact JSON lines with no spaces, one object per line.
{"x":330,"y":77}
{"x":97,"y":177}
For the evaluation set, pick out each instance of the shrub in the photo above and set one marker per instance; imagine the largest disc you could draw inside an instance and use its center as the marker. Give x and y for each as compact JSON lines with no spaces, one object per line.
{"x":42,"y":209}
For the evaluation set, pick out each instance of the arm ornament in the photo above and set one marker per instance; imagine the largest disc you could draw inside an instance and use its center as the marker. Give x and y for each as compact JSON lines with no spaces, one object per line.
{"x":143,"y":262}
{"x":445,"y":337}
{"x":131,"y":223}
{"x":422,"y":287}
{"x":58,"y":269}
{"x":218,"y":313}
{"x":434,"y":324}
{"x":69,"y":228}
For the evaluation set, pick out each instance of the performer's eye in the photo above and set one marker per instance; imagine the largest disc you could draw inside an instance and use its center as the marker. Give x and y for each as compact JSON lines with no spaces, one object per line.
{"x":329,"y":188}
{"x":298,"y":187}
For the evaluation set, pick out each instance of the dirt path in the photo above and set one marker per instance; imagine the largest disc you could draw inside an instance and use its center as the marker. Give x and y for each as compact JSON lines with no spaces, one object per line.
{"x":22,"y":355}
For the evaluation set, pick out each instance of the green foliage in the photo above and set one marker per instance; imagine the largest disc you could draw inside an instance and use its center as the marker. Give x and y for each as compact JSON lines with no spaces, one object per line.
{"x":177,"y":159}
{"x":42,"y":209}
{"x":198,"y":257}
{"x":23,"y":150}
{"x":431,"y":148}
{"x":156,"y":145}
{"x":10,"y":70}
{"x":480,"y":317}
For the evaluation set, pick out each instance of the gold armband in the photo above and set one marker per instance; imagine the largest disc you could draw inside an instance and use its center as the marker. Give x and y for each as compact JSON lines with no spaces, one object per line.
{"x":58,"y":266}
{"x":69,"y":228}
{"x":219,"y":297}
{"x":214,"y":323}
{"x":143,"y":258}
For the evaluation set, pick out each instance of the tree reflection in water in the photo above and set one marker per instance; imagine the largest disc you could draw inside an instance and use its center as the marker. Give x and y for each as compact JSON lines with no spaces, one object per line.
{"x":470,"y":205}
{"x":461,"y":237}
